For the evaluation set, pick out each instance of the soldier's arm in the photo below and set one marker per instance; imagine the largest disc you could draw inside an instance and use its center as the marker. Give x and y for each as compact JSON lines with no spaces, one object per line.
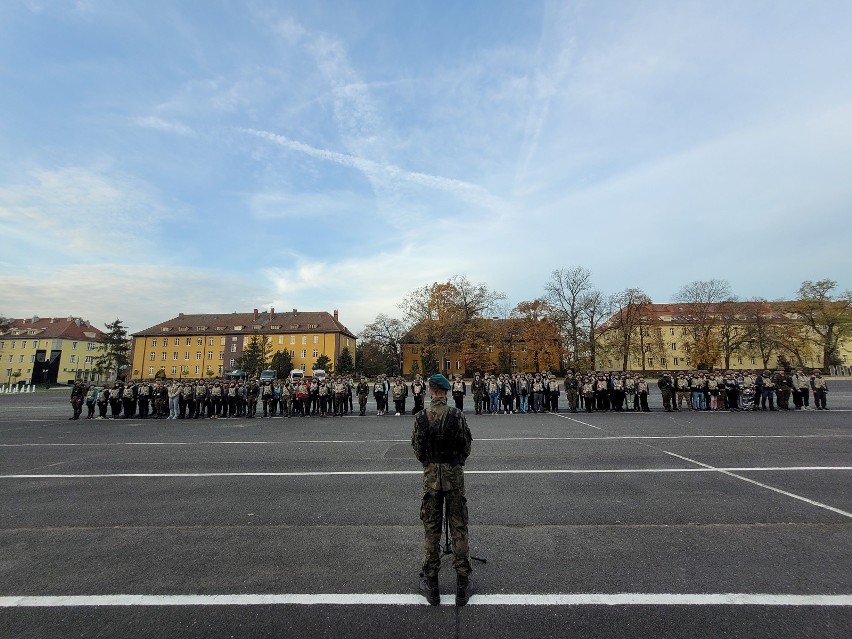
{"x":466,"y":437}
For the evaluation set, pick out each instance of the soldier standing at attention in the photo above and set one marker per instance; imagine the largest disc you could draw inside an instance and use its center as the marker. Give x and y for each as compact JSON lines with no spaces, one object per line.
{"x":418,"y":391}
{"x":363,"y":391}
{"x":441,"y":442}
{"x":78,"y":392}
{"x":666,"y":386}
{"x":459,"y":391}
{"x":477,"y":387}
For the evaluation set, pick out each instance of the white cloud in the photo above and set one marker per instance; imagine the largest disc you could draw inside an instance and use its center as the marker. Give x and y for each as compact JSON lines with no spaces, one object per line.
{"x":77,"y":212}
{"x":141,"y":295}
{"x":167,"y":126}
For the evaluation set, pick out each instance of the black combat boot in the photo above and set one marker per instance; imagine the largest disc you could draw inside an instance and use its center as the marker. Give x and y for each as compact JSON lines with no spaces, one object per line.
{"x":429,"y":588}
{"x":461,"y":590}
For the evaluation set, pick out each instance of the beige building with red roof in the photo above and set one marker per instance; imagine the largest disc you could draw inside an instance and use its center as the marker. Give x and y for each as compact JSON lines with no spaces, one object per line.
{"x":49,"y":350}
{"x":206,"y":345}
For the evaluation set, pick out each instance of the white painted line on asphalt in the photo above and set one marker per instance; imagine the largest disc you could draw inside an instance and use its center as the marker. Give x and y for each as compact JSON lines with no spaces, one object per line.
{"x":731,"y":473}
{"x":368,"y":599}
{"x":376,"y":473}
{"x":405,"y":441}
{"x":576,"y":420}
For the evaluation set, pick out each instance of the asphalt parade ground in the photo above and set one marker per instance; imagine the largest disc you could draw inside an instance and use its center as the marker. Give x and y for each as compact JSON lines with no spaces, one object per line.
{"x":592,"y":525}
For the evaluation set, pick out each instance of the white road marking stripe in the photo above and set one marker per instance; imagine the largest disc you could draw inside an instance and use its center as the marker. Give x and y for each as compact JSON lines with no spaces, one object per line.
{"x":375,"y":473}
{"x":368,"y":599}
{"x":730,"y":473}
{"x":405,"y":441}
{"x":573,"y":419}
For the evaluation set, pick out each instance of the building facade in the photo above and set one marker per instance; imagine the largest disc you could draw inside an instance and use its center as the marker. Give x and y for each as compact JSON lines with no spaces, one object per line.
{"x":49,"y":350}
{"x":729,"y":335}
{"x":499,"y":346}
{"x":201,"y":346}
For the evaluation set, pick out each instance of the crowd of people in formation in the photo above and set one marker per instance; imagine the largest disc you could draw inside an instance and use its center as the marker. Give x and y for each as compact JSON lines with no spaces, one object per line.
{"x":492,"y":394}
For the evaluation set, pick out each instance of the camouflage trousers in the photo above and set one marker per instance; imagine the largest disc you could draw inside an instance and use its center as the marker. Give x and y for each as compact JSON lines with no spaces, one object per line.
{"x":431,"y":512}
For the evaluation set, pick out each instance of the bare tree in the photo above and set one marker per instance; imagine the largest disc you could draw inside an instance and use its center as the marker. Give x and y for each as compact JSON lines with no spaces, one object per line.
{"x":701,"y":299}
{"x":628,"y":319}
{"x":567,"y":292}
{"x":595,"y":310}
{"x":385,"y":335}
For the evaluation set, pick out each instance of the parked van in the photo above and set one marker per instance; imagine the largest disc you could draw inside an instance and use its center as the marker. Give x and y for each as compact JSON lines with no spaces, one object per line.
{"x":296,"y":374}
{"x":268,"y":375}
{"x":318,"y":374}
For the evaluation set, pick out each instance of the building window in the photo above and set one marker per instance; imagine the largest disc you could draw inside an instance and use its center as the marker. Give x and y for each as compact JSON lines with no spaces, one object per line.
{"x":188,"y":341}
{"x":196,"y":370}
{"x":233,"y":348}
{"x":458,"y":365}
{"x":150,"y":370}
{"x":739,"y":360}
{"x":73,"y":345}
{"x":752,"y":361}
{"x":209,"y":355}
{"x":93,"y":347}
{"x":220,"y":369}
{"x":153,"y":357}
{"x":304,"y":339}
{"x":293,"y":354}
{"x":415,"y":349}
{"x":280,"y":339}
{"x":198,"y":356}
{"x":292,"y":339}
{"x":316,"y":339}
{"x":222,"y":341}
{"x":671,"y":331}
{"x":490,"y":348}
{"x":674,"y":346}
{"x":175,"y":355}
{"x":90,"y":359}
{"x":315,"y":353}
{"x":232,"y":363}
{"x":177,"y":341}
{"x":523,"y":349}
{"x":186,"y":355}
{"x":199,"y":341}
{"x":32,"y":359}
{"x":210,"y":341}
{"x":221,"y":355}
{"x":662,"y":362}
{"x":304,"y":353}
{"x":638,"y":361}
{"x":165,"y":356}
{"x":72,"y":359}
{"x":174,"y":370}
{"x":650,"y":361}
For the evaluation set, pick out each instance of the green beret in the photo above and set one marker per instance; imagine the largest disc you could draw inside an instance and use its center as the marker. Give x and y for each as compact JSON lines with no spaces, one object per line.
{"x":439,"y":381}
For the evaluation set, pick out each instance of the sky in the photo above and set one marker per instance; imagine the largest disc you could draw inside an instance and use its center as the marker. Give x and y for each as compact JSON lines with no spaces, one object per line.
{"x":166,"y":157}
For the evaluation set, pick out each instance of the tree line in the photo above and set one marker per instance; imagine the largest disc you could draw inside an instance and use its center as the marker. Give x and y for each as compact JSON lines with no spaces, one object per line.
{"x":586,"y":326}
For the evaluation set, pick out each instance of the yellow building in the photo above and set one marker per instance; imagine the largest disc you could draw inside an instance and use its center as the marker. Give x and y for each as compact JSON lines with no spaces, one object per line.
{"x":200,"y":346}
{"x":49,"y":350}
{"x":729,"y":335}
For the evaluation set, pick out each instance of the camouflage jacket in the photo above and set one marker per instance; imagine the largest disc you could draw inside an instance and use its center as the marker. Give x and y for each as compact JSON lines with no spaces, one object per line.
{"x":442,"y":476}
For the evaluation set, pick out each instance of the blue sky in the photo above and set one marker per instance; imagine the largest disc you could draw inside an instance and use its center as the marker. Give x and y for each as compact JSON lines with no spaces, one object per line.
{"x":166,"y":157}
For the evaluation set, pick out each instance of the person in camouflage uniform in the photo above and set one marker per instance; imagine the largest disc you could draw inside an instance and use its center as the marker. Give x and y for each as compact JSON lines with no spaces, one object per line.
{"x":441,"y":442}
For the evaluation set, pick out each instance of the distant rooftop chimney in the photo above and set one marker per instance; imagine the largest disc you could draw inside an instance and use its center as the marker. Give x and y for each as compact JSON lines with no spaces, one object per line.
{"x":272,"y":313}
{"x":295,"y":311}
{"x":255,"y":313}
{"x":335,"y":315}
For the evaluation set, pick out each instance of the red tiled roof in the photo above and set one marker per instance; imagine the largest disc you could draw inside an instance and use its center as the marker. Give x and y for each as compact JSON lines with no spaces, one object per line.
{"x":262,"y":322}
{"x":55,"y":328}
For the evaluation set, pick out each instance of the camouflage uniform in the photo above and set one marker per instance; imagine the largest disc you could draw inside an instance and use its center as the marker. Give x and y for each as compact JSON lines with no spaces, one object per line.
{"x":441,"y":442}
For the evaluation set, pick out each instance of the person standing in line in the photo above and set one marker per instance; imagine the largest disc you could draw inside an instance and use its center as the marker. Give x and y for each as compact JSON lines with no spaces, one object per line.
{"x":78,"y":393}
{"x":442,"y":442}
{"x":820,"y":389}
{"x":459,"y":391}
